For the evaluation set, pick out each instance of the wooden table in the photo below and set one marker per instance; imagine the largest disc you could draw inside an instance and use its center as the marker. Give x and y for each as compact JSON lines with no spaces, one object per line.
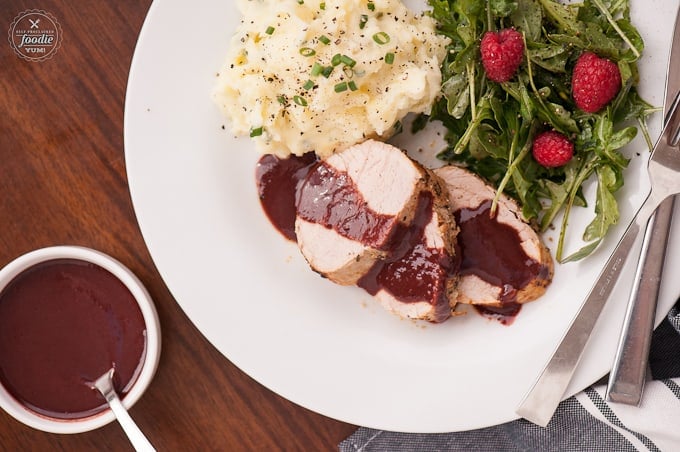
{"x":63,"y":181}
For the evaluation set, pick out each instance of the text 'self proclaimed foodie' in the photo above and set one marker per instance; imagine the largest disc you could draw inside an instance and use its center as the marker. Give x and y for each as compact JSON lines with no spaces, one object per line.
{"x":535,"y":97}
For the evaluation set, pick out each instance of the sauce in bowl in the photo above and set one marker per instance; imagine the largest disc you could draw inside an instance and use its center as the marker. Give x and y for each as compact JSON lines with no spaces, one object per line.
{"x":63,"y":323}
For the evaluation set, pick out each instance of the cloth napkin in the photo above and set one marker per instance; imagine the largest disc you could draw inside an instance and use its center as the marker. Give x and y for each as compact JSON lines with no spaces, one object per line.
{"x":584,"y":422}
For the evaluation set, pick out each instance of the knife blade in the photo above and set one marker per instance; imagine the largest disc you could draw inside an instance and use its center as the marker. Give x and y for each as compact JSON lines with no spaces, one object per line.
{"x":540,"y":402}
{"x":629,"y":371}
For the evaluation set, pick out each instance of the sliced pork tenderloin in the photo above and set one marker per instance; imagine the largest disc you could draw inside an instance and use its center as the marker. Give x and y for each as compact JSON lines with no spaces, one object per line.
{"x":371,"y":216}
{"x":503,"y":258}
{"x":352,"y":205}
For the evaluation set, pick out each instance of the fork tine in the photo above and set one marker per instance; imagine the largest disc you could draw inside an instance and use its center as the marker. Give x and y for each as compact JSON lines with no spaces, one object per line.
{"x":671,"y":131}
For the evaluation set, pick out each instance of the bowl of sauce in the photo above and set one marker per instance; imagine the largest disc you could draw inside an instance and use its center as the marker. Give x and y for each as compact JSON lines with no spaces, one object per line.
{"x":67,"y":315}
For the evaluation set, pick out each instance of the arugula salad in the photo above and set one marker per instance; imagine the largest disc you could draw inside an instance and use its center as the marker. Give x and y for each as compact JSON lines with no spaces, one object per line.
{"x":490,"y":126}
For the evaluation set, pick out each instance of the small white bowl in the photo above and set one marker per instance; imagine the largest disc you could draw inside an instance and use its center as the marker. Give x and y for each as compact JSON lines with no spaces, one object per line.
{"x":153,"y":338}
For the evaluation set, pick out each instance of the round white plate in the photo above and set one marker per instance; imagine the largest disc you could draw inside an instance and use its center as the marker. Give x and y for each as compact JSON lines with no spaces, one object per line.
{"x":332,"y":349}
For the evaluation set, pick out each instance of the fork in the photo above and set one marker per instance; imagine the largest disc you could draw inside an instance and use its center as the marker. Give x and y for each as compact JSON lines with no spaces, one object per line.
{"x":540,"y":402}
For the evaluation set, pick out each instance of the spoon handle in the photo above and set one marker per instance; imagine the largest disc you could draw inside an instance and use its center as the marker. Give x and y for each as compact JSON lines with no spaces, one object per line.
{"x":104,"y":385}
{"x":134,"y":434}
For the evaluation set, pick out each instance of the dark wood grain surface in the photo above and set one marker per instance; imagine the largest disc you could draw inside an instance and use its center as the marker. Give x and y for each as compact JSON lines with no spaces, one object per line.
{"x":63,"y":181}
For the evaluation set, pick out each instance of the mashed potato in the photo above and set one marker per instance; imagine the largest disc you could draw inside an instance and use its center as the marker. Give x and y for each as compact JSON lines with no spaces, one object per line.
{"x":311,"y":75}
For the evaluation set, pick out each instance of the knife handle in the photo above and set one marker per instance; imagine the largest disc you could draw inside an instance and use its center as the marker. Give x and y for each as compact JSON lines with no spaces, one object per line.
{"x":627,"y":378}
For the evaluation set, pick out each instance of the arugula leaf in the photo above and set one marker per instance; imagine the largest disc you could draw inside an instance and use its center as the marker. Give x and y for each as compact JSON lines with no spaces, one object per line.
{"x":564,"y":17}
{"x":502,"y":8}
{"x":484,"y":112}
{"x":528,"y":18}
{"x":559,"y":193}
{"x":586,"y":169}
{"x":551,"y":57}
{"x":608,"y":15}
{"x":606,"y":209}
{"x":455,"y":90}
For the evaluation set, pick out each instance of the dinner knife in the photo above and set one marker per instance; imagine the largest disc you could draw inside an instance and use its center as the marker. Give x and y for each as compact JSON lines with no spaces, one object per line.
{"x":540,"y":402}
{"x":629,"y":371}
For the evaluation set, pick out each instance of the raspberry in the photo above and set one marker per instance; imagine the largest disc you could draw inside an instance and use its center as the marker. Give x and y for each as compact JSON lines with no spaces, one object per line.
{"x":552,"y":149}
{"x":595,"y":81}
{"x":502,"y":53}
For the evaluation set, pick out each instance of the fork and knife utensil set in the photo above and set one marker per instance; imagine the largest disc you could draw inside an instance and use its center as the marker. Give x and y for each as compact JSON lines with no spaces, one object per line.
{"x":654,"y":217}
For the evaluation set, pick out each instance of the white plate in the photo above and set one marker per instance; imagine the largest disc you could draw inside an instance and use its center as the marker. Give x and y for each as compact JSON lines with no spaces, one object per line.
{"x":330,"y":348}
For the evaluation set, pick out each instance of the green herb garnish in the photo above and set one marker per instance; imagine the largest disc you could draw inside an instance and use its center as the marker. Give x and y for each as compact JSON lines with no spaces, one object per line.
{"x":307,"y":51}
{"x":326,"y":72}
{"x":347,"y":61}
{"x":301,"y":101}
{"x":381,"y":38}
{"x":316,"y":70}
{"x":256,"y":132}
{"x":362,"y":21}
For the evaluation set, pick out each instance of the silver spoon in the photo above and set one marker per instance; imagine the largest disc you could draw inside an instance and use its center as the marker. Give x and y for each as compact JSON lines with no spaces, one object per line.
{"x":104,"y":384}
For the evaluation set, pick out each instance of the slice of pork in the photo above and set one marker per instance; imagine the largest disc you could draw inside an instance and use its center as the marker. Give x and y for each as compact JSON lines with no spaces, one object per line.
{"x":420,"y":282}
{"x":469,"y":196}
{"x":352,"y":206}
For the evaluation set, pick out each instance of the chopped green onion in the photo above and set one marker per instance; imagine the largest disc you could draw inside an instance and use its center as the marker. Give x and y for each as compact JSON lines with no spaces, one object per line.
{"x":308,"y":85}
{"x":324,"y":39}
{"x":327,"y":71}
{"x":306,"y":51}
{"x":316,"y":70}
{"x":362,"y":21}
{"x":340,"y":87}
{"x":347,"y":61}
{"x":349,"y":72}
{"x":381,"y":37}
{"x":301,"y":2}
{"x":352,"y":85}
{"x":371,"y":6}
{"x":336,"y":59}
{"x":281,"y":99}
{"x":255,"y":132}
{"x":389,"y":58}
{"x":322,"y":5}
{"x":300,"y":100}
{"x":269,"y":30}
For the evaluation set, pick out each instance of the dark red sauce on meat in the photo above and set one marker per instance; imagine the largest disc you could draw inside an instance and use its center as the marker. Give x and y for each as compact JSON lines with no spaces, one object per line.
{"x":63,"y":323}
{"x":277,"y":183}
{"x":504,"y":314}
{"x":330,"y":198}
{"x":492,"y":251}
{"x":413,"y":271}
